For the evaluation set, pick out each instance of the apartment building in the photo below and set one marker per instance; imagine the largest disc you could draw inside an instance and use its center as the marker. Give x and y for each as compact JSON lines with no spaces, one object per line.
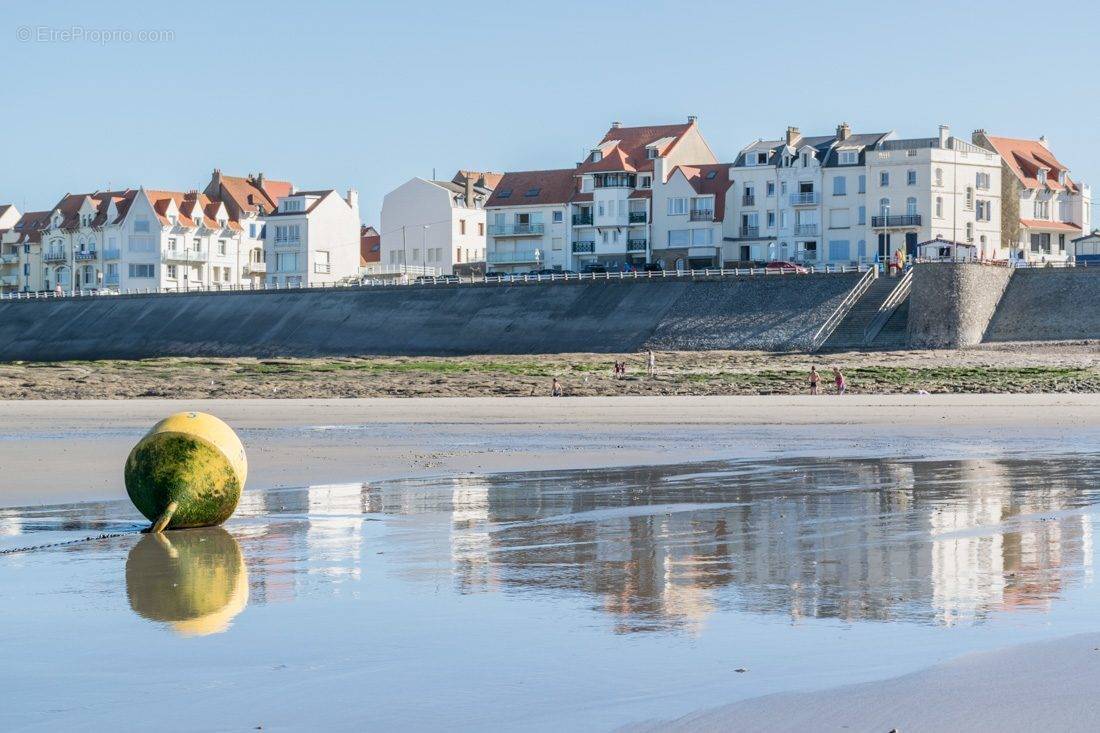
{"x":689,"y":207}
{"x":312,"y":239}
{"x":848,"y":198}
{"x":612,"y":211}
{"x":1043,"y":210}
{"x":9,"y":255}
{"x":248,"y":200}
{"x":529,"y":221}
{"x":436,"y":226}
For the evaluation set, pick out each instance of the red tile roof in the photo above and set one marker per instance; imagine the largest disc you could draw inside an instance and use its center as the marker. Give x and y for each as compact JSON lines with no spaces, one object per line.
{"x":247,"y":194}
{"x":370,"y":245}
{"x":1053,"y":226}
{"x":547,"y":187}
{"x":486,"y":179}
{"x":629,"y":150}
{"x":30,"y":226}
{"x":1025,"y":157}
{"x":71,"y":203}
{"x":700,"y":178}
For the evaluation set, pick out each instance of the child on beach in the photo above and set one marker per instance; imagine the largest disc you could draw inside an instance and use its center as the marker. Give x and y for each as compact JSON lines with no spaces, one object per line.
{"x":838,"y":377}
{"x":815,"y":379}
{"x":555,"y":389}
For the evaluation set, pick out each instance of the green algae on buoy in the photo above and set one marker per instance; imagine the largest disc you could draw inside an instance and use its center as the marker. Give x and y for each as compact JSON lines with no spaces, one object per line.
{"x":188,"y":471}
{"x":195,"y":582}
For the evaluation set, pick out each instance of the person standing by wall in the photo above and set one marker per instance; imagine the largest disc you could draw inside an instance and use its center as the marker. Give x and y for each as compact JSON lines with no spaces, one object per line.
{"x":815,"y":379}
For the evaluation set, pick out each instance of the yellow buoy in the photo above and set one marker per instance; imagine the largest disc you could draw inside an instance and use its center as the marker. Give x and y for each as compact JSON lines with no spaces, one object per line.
{"x":188,"y":471}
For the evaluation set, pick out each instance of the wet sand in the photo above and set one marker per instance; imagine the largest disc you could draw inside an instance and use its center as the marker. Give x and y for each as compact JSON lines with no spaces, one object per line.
{"x":65,"y":450}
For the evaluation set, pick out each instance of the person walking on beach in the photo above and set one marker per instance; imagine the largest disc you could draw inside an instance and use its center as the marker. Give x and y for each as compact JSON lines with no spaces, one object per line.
{"x":555,"y":389}
{"x":815,"y":379}
{"x":651,"y":363}
{"x":838,"y":377}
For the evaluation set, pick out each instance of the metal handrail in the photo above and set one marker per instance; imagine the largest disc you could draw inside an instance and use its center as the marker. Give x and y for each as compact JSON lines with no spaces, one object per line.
{"x":896,"y":297}
{"x":822,"y":335}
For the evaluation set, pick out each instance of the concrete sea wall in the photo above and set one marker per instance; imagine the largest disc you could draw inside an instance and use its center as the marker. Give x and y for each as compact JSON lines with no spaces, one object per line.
{"x":951,"y":303}
{"x":1048,"y":304}
{"x":751,"y":312}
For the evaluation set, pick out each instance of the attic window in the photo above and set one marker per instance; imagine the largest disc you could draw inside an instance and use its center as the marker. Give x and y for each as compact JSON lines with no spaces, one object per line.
{"x":651,"y":153}
{"x":504,"y":193}
{"x":711,"y":175}
{"x":532,"y":192}
{"x":848,"y":157}
{"x":761,"y":158}
{"x":597,"y":156}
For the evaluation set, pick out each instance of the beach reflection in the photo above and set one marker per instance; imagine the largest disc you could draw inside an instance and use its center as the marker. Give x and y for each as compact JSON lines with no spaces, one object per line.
{"x":194,"y":581}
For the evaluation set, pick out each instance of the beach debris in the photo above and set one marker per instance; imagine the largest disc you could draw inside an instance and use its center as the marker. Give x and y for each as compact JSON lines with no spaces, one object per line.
{"x":188,"y":471}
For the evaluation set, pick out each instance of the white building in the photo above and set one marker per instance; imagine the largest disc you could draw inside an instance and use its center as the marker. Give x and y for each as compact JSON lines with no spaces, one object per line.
{"x":689,"y":207}
{"x":436,"y":227}
{"x":1044,"y":209}
{"x":529,"y":224}
{"x":312,"y":238}
{"x":9,"y":250}
{"x":848,"y":198}
{"x":248,"y":199}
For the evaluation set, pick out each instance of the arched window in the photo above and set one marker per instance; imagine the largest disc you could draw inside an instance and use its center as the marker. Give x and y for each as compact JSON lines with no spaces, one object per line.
{"x":911,"y":206}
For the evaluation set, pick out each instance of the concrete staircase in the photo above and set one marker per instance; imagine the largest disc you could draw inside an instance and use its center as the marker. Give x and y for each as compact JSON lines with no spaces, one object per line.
{"x":895,"y":332}
{"x":849,"y":334}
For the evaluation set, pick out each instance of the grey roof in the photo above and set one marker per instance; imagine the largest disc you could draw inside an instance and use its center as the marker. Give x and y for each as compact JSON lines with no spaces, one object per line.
{"x":823,"y":144}
{"x":459,"y":188}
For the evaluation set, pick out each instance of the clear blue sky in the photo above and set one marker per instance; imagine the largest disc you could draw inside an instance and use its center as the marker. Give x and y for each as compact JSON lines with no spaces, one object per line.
{"x":368,"y":95}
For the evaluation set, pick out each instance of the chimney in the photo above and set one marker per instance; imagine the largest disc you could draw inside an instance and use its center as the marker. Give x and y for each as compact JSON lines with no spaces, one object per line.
{"x":1043,"y":142}
{"x":353,"y":198}
{"x":616,"y":125}
{"x":469,"y":192}
{"x":843,"y":131}
{"x":945,"y":135}
{"x":793,"y":135}
{"x":692,"y":119}
{"x":260,"y":179}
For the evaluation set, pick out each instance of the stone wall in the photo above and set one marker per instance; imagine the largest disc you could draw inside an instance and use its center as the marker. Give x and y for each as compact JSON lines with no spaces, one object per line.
{"x":952,"y":303}
{"x":1049,"y":304}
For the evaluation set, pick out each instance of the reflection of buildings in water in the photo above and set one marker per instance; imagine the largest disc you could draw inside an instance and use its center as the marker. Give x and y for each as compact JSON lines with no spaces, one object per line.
{"x":11,"y":524}
{"x":334,"y":533}
{"x":194,"y":580}
{"x":470,"y":541}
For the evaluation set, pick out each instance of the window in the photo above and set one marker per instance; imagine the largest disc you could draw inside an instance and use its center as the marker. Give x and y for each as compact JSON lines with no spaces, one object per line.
{"x":558,"y":217}
{"x":984,"y":210}
{"x":597,"y":156}
{"x":939,"y":207}
{"x":839,"y":219}
{"x":911,"y":206}
{"x":292,"y":205}
{"x":141,"y":225}
{"x":196,"y":245}
{"x":288,"y":261}
{"x":848,"y":157}
{"x":461,"y":226}
{"x":711,"y":175}
{"x":651,"y":153}
{"x":645,"y":182}
{"x":970,"y":231}
{"x":504,"y":193}
{"x":862,"y":215}
{"x":141,"y":244}
{"x":805,"y":160}
{"x":862,"y":183}
{"x":783,"y":188}
{"x":252,"y":231}
{"x":840,"y":186}
{"x":884,"y":207}
{"x":771,"y":220}
{"x":939,"y":176}
{"x":840,"y":249}
{"x":677,"y":206}
{"x":679,"y":237}
{"x":884,"y":179}
{"x":1061,"y":242}
{"x":141,"y":271}
{"x":481,"y":227}
{"x":321,"y":262}
{"x":910,"y":178}
{"x":782,"y":218}
{"x":221,"y":247}
{"x":458,"y":254}
{"x":981,"y":180}
{"x":170,"y":272}
{"x":1042,"y":209}
{"x":702,"y":237}
{"x":1040,"y":243}
{"x":555,"y":243}
{"x":769,"y":189}
{"x":970,"y":197}
{"x":172,"y":244}
{"x":532,"y":192}
{"x":287,"y":234}
{"x":861,"y":249}
{"x":762,"y":158}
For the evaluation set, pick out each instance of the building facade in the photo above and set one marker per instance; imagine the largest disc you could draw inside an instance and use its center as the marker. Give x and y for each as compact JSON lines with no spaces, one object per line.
{"x":436,"y":227}
{"x":312,"y":239}
{"x":248,"y":200}
{"x":1044,"y":209}
{"x":9,"y":253}
{"x":853,"y":198}
{"x":528,"y":221}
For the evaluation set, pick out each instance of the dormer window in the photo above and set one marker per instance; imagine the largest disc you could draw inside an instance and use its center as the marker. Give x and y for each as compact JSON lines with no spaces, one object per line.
{"x":223,"y":223}
{"x":1062,"y":177}
{"x":645,"y":182}
{"x":292,"y":205}
{"x":1042,"y":176}
{"x":762,"y":158}
{"x":848,"y":157}
{"x":597,"y":156}
{"x":805,"y":160}
{"x":651,"y":153}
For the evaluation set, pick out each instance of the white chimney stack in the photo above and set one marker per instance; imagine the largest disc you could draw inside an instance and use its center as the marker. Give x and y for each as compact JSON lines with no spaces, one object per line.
{"x":353,"y":199}
{"x":945,"y":134}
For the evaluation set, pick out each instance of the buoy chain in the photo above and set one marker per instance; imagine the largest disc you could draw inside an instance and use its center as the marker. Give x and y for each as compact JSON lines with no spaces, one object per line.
{"x":33,"y":548}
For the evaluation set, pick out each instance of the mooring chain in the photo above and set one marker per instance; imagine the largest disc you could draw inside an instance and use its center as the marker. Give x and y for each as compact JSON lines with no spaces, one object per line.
{"x":34,"y":548}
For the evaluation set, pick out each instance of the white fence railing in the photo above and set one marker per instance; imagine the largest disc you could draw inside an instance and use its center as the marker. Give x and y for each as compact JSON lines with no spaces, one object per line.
{"x":370,"y":282}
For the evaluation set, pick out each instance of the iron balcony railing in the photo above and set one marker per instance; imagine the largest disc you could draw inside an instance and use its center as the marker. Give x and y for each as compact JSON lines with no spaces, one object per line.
{"x":748,"y":200}
{"x":9,"y":259}
{"x":83,"y":256}
{"x":582,"y":219}
{"x":584,"y":247}
{"x":702,"y":215}
{"x":898,"y":220}
{"x":750,"y":231}
{"x":635,"y":245}
{"x":637,"y":217}
{"x":54,"y":256}
{"x":516,"y":230}
{"x":804,"y":198}
{"x":805,"y":230}
{"x":322,"y":268}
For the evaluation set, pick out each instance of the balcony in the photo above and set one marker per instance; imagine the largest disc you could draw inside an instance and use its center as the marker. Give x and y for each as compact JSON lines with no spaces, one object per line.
{"x":580,"y":220}
{"x":899,"y":220}
{"x":110,"y":279}
{"x":584,"y":247}
{"x":186,"y":255}
{"x":748,"y":232}
{"x":637,"y":217}
{"x":805,"y":230}
{"x":702,"y":215}
{"x":12,"y":259}
{"x":322,"y":268}
{"x":112,"y":254}
{"x":635,"y":245}
{"x":516,"y":230}
{"x":287,"y":241}
{"x":510,"y":258}
{"x":748,"y":200}
{"x":804,"y":198}
{"x":84,"y":256}
{"x":54,"y":256}
{"x":255,"y":268}
{"x":9,"y":280}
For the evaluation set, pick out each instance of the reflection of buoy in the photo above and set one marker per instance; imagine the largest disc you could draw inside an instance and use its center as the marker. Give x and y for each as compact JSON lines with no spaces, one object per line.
{"x":194,"y":581}
{"x":188,"y":471}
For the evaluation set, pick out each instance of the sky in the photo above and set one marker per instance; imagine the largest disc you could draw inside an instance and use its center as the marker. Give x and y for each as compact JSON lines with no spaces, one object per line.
{"x":367,"y":95}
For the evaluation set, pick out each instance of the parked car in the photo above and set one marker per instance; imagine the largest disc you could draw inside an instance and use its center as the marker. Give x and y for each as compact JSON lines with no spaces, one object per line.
{"x":652,"y":267}
{"x":596,"y":268}
{"x":788,"y":267}
{"x":545,"y":271}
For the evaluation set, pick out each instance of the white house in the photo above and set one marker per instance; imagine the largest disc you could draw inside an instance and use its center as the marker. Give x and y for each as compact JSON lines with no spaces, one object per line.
{"x":436,"y":227}
{"x":689,"y":206}
{"x":248,"y":199}
{"x":9,"y":253}
{"x":312,"y":238}
{"x":848,"y":198}
{"x":1044,"y":209}
{"x":529,"y":225}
